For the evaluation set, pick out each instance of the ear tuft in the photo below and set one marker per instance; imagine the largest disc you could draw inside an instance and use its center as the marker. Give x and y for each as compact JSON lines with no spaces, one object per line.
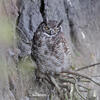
{"x":60,"y":23}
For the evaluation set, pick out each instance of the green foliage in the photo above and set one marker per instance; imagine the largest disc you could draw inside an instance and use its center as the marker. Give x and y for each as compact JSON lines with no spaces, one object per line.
{"x":26,"y":66}
{"x":6,"y":30}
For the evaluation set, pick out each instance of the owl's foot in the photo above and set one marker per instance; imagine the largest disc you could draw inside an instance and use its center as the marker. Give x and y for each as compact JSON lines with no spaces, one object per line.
{"x":41,"y":77}
{"x":38,"y":76}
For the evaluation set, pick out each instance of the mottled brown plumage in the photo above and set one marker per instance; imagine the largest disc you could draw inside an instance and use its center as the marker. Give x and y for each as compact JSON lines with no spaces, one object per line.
{"x":50,"y":49}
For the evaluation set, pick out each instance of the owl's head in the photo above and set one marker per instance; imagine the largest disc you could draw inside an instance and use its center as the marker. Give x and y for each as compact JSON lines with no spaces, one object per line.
{"x":52,"y":27}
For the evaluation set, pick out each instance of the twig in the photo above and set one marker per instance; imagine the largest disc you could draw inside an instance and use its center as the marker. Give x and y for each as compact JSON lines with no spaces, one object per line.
{"x":65,"y":80}
{"x":76,"y":87}
{"x":96,"y":76}
{"x":79,"y":92}
{"x":57,"y":87}
{"x":81,"y":75}
{"x":89,"y":66}
{"x":72,"y":92}
{"x":86,"y":81}
{"x":55,"y":83}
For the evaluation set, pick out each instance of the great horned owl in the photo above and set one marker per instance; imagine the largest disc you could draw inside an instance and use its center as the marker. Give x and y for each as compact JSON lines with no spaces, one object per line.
{"x":50,"y":49}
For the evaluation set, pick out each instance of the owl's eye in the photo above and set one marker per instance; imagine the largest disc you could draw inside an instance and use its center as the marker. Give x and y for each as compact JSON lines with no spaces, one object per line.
{"x":56,"y":30}
{"x":46,"y":28}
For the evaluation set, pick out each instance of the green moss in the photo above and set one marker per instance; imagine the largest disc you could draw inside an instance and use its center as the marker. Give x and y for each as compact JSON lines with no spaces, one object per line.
{"x":6,"y":30}
{"x":26,"y":66}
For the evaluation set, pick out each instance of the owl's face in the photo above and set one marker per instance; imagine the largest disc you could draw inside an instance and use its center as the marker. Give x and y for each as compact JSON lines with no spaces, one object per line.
{"x":52,"y":27}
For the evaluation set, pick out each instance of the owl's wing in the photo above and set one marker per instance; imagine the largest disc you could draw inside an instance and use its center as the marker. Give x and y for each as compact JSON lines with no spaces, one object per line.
{"x":33,"y":49}
{"x":65,"y":45}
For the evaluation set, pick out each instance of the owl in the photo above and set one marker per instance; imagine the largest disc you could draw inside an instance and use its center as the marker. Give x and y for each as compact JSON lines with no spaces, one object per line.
{"x":50,"y":49}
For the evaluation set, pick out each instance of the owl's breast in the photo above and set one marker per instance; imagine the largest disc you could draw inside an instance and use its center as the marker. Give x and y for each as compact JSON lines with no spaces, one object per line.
{"x":50,"y":54}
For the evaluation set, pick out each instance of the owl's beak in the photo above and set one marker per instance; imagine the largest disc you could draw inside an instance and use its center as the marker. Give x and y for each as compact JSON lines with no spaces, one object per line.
{"x":51,"y":32}
{"x":60,"y":23}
